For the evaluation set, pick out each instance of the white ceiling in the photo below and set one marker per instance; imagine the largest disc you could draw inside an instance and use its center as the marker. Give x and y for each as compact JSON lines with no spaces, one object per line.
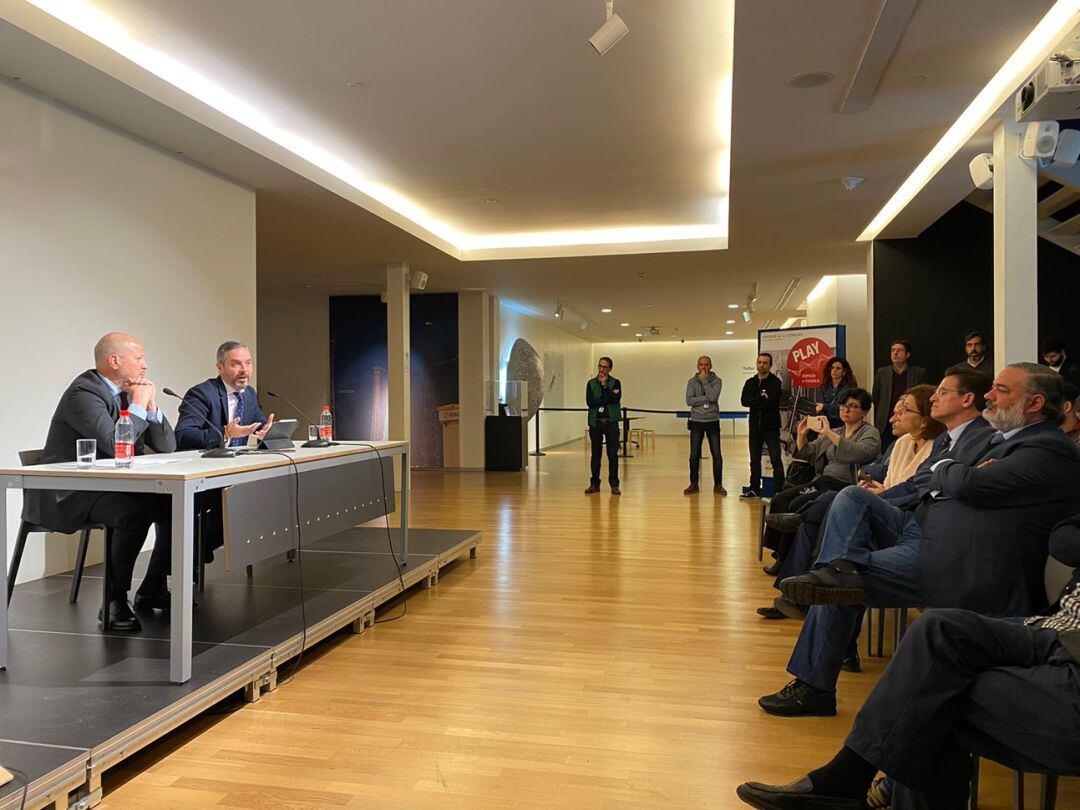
{"x":482,"y":99}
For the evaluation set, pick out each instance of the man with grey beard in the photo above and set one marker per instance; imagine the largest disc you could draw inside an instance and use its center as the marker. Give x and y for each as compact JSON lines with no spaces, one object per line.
{"x":977,"y":541}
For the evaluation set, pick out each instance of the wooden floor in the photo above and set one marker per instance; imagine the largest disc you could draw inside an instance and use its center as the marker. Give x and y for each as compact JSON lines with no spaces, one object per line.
{"x":601,"y":652}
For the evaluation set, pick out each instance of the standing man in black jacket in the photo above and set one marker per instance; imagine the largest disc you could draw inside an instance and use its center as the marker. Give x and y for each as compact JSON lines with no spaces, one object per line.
{"x":761,"y":394}
{"x":89,"y":409}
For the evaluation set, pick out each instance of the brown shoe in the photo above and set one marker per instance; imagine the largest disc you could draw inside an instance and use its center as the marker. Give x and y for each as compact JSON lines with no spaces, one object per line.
{"x":593,"y":489}
{"x":719,"y":490}
{"x":691,"y":490}
{"x":616,"y":491}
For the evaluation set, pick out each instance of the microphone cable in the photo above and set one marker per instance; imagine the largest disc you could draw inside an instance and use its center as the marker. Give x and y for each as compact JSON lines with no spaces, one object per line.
{"x":389,"y":536}
{"x":22,"y":777}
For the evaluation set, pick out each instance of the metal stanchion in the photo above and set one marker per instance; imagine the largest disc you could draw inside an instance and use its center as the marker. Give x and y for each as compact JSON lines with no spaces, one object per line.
{"x":538,"y":451}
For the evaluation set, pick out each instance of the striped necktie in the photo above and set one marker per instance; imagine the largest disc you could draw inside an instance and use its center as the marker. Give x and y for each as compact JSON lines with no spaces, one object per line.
{"x":239,"y":441}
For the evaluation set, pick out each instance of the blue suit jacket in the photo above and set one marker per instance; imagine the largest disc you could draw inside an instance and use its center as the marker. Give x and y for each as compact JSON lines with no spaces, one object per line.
{"x":972,"y":444}
{"x":204,"y":403}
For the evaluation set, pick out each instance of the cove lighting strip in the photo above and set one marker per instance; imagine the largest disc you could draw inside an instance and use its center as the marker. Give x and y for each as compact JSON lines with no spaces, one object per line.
{"x":1059,"y":21}
{"x":86,"y":18}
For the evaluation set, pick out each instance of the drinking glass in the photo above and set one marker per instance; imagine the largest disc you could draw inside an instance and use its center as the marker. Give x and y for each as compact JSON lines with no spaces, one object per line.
{"x":85,"y":453}
{"x":313,"y":433}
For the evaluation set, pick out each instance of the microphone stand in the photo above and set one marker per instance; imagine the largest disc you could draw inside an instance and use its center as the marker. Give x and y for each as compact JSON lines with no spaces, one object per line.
{"x":222,"y":451}
{"x":320,"y":442}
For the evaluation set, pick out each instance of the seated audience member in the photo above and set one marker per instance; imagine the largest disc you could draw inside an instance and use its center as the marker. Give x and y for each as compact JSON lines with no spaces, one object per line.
{"x":916,"y":431}
{"x":978,"y":357}
{"x":833,"y":458}
{"x":959,"y":684}
{"x":1070,"y":424}
{"x":977,"y":539}
{"x":89,"y":409}
{"x":839,"y":380}
{"x":1056,"y":357}
{"x":225,"y":407}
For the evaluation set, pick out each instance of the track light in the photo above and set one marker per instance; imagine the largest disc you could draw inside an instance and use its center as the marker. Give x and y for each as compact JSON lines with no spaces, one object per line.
{"x":559,"y":312}
{"x":609,"y":34}
{"x":746,"y":315}
{"x":584,"y":327}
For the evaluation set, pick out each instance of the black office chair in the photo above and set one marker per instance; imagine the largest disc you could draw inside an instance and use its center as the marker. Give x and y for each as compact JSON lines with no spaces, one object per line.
{"x":28,"y":458}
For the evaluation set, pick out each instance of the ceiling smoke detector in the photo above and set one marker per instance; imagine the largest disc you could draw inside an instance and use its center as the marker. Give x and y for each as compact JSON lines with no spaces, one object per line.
{"x":852,"y":182}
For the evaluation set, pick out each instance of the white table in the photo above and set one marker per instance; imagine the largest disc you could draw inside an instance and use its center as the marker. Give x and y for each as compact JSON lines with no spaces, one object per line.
{"x":181,"y":475}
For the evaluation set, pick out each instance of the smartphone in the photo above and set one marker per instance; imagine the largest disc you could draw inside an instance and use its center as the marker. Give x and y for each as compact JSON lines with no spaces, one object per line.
{"x":865,"y":477}
{"x":818,"y":424}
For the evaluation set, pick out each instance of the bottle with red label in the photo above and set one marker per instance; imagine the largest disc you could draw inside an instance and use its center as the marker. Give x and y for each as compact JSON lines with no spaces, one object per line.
{"x":124,"y":440}
{"x":326,"y":424}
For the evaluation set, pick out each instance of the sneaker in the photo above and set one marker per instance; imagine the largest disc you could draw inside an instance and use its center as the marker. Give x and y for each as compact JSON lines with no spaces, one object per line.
{"x":749,"y":495}
{"x":593,"y":489}
{"x":719,"y":490}
{"x":799,"y":699}
{"x":691,"y":490}
{"x":852,"y":664}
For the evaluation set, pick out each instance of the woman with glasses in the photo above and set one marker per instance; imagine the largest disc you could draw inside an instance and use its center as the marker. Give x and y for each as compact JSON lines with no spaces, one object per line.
{"x":915,"y":430}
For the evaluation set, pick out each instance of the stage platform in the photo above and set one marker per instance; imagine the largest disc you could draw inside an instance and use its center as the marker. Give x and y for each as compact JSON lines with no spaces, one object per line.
{"x":73,"y":702}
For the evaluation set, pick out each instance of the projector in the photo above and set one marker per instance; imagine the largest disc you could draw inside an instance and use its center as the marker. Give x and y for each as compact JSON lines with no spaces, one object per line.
{"x":1052,"y":94}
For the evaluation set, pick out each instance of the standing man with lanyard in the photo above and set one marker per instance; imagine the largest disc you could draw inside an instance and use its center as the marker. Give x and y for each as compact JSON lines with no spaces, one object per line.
{"x":603,"y":394}
{"x":703,"y":395}
{"x":761,"y":394}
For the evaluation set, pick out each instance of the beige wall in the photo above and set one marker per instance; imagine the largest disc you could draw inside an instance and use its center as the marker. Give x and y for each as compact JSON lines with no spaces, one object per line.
{"x":654,"y":376}
{"x":294,"y":353}
{"x":101,"y":232}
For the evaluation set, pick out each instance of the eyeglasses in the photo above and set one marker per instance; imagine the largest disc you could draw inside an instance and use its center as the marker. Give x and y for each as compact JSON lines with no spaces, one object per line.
{"x":602,"y":367}
{"x":942,"y":390}
{"x":851,"y":406}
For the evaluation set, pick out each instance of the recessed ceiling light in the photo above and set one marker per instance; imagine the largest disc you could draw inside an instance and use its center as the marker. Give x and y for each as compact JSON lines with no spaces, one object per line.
{"x":638,"y":334}
{"x":729,"y":321}
{"x":732,"y":306}
{"x":624,"y":324}
{"x":606,"y":310}
{"x":812,"y":78}
{"x":491,"y":201}
{"x":729,"y":332}
{"x":356,"y":84}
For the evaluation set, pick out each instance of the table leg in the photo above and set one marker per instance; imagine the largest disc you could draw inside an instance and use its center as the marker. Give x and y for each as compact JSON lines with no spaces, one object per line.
{"x":404,"y":553}
{"x":6,"y":485}
{"x":183,"y":550}
{"x":625,"y":437}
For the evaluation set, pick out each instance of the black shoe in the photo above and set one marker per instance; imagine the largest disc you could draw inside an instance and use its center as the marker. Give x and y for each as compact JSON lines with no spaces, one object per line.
{"x":784,"y":521}
{"x":791,"y":610}
{"x":799,"y":795}
{"x":157,"y":600}
{"x":852,"y":664}
{"x":772,"y":569}
{"x":825,"y":586}
{"x":749,"y":495}
{"x":799,"y":699}
{"x":770,"y":613}
{"x":121,"y":619}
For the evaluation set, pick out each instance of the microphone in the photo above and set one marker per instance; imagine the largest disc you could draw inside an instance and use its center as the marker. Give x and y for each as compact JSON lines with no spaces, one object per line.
{"x":221,"y":451}
{"x":320,"y":442}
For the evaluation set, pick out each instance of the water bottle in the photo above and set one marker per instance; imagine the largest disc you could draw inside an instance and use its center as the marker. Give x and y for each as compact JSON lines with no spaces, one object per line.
{"x":124,"y":441}
{"x":326,"y":424}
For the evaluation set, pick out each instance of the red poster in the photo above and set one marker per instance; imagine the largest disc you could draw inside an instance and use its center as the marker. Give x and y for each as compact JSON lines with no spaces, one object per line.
{"x":807,"y":360}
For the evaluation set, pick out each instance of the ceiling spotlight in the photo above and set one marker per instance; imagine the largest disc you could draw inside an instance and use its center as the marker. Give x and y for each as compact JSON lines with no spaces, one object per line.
{"x":584,"y":327}
{"x":624,"y":324}
{"x":606,"y":310}
{"x":559,"y":312}
{"x":638,"y":334}
{"x":746,"y":315}
{"x":609,"y":34}
{"x":729,"y":322}
{"x":729,"y":333}
{"x":732,"y":306}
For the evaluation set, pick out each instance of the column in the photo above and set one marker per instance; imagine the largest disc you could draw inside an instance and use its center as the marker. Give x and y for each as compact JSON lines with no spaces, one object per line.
{"x":397,"y":346}
{"x":474,"y":368}
{"x":1016,"y":270}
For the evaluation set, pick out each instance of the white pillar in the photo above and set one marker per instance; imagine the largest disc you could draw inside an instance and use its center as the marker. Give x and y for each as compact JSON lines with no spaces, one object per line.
{"x":397,"y":346}
{"x":1016,"y":270}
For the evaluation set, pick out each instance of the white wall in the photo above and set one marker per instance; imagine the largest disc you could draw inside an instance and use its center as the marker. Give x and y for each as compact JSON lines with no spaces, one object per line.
{"x":654,"y":376}
{"x":101,"y":232}
{"x":555,"y":428}
{"x":844,"y":300}
{"x":294,"y":353}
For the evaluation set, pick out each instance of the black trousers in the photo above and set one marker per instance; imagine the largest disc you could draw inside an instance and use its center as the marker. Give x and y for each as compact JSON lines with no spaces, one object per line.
{"x":130,"y":515}
{"x":698,"y":432}
{"x":759,"y":439}
{"x":598,"y":435}
{"x":794,"y":499}
{"x":961,"y":683}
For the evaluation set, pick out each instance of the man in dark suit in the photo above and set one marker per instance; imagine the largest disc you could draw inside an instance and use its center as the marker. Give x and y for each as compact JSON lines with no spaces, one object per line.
{"x":1056,"y":357}
{"x":227,"y":402}
{"x":977,"y":539}
{"x":89,"y":409}
{"x":959,"y":684}
{"x":890,"y":383}
{"x":977,"y":359}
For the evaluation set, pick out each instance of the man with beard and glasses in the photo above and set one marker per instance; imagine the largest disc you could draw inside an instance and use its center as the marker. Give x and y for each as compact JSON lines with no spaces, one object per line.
{"x":978,"y":356}
{"x":977,"y":540}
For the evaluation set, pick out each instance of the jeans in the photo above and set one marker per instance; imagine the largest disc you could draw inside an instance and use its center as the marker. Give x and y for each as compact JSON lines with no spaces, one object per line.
{"x":608,"y":431}
{"x":865,"y":529}
{"x":770,"y":438}
{"x":698,"y":431}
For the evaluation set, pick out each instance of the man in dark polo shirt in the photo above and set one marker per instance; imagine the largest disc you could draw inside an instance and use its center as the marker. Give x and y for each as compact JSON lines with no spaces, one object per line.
{"x":890,"y":383}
